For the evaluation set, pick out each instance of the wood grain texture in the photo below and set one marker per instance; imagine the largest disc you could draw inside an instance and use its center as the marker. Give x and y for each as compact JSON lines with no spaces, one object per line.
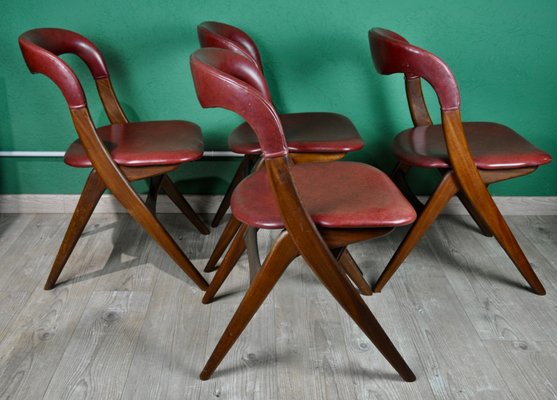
{"x":464,"y":332}
{"x":11,"y":227}
{"x":454,"y":367}
{"x":105,"y":335}
{"x":19,"y":265}
{"x":34,"y":343}
{"x":528,"y":368}
{"x":11,"y":304}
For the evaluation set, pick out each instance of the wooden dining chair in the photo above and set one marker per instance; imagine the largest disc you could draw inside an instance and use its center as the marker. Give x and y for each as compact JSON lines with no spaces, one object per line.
{"x":118,"y":153}
{"x":316,"y":222}
{"x":469,"y":155}
{"x":311,"y":136}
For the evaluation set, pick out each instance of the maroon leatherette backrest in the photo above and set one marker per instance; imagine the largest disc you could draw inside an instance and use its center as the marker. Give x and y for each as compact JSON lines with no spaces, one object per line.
{"x":227,"y":79}
{"x":41,"y":48}
{"x":392,"y":53}
{"x":217,"y":34}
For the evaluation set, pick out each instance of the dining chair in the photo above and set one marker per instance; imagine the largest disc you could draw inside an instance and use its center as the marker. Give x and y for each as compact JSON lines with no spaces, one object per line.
{"x":321,"y":208}
{"x":469,"y":155}
{"x":118,"y":153}
{"x":311,"y":136}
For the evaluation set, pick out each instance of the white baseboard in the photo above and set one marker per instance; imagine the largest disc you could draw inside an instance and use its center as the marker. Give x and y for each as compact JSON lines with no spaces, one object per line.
{"x":47,"y":203}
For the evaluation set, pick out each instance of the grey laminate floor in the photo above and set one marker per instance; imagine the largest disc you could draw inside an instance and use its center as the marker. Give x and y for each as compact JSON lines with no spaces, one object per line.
{"x":126,"y":323}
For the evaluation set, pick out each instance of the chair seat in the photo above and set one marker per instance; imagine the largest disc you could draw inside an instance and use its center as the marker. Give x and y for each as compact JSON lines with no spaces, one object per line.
{"x":311,"y":132}
{"x":493,"y":146}
{"x":327,"y":192}
{"x":141,"y":144}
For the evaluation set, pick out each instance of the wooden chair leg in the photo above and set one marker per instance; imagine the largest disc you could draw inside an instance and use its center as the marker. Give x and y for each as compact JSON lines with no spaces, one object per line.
{"x":254,"y":262}
{"x":154,"y":188}
{"x":334,"y":279}
{"x":144,"y":217}
{"x":226,"y":237}
{"x":177,"y":198}
{"x":346,"y":261}
{"x":477,"y":219}
{"x":446,"y":189}
{"x":241,"y":173}
{"x":281,"y":255}
{"x":230,"y":260}
{"x":399,"y":178}
{"x":94,"y":188}
{"x":487,"y":210}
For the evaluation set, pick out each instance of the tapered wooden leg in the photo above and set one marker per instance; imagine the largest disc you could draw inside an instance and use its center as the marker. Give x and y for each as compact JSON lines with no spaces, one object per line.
{"x":351,"y":268}
{"x":488,"y":211}
{"x":484,"y":228}
{"x":177,"y":198}
{"x":241,"y":173}
{"x":144,"y":217}
{"x":254,"y":262}
{"x":334,"y":279}
{"x":94,"y":188}
{"x":154,"y":188}
{"x":399,"y":178}
{"x":225,"y":238}
{"x":281,"y":255}
{"x":446,"y":189}
{"x":230,"y":260}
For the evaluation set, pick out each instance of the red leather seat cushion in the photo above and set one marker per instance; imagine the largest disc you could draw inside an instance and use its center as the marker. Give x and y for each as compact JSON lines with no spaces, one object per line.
{"x":493,"y":146}
{"x":336,"y":195}
{"x":144,"y":143}
{"x":311,"y":132}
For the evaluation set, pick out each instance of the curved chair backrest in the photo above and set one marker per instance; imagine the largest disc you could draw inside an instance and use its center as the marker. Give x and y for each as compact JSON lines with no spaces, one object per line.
{"x":41,"y":49}
{"x":217,"y":34}
{"x":227,"y":79}
{"x":393,"y":54}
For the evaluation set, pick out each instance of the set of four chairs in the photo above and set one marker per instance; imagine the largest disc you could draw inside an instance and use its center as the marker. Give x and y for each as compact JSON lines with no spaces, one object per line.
{"x":290,"y":178}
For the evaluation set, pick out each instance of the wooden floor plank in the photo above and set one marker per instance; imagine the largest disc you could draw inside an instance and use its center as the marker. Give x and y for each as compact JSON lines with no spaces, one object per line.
{"x":33,"y":344}
{"x":453,"y":357}
{"x":248,"y":370}
{"x":131,"y":263}
{"x":32,"y":252}
{"x":171,"y":344}
{"x":106,"y":335}
{"x":486,"y":282}
{"x":11,"y":227}
{"x":374,"y":377}
{"x":126,"y":323}
{"x":11,"y":304}
{"x":529,"y":368}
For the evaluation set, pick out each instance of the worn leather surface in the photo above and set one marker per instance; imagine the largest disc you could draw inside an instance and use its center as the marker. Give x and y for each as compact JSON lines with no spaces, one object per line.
{"x":312,"y":132}
{"x":144,"y":143}
{"x":223,"y":78}
{"x":224,"y":36}
{"x":392,"y":54}
{"x":305,"y":132}
{"x":493,"y":146}
{"x":41,"y":48}
{"x":336,"y":195}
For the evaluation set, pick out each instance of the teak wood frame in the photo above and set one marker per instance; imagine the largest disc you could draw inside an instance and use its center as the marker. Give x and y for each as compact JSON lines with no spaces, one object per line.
{"x":233,"y":90}
{"x":463,"y":178}
{"x":105,"y":173}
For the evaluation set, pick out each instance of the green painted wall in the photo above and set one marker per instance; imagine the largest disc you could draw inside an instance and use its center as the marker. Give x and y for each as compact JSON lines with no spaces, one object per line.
{"x":503,"y":53}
